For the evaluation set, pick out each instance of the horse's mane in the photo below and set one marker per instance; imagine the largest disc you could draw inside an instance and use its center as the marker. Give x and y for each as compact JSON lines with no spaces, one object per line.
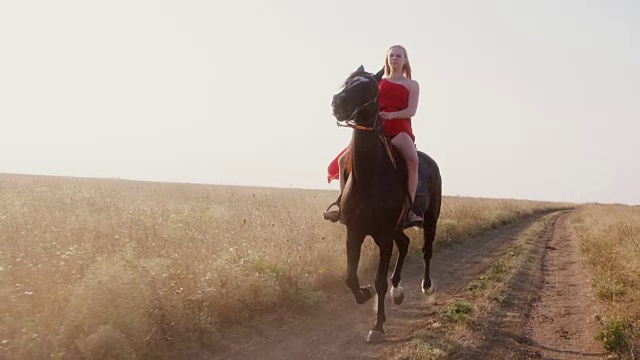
{"x":377,"y":76}
{"x":353,"y":75}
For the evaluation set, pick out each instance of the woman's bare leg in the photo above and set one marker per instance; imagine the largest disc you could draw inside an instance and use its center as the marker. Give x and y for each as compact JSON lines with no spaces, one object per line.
{"x":407,"y":149}
{"x":335,"y":215}
{"x":342,"y":163}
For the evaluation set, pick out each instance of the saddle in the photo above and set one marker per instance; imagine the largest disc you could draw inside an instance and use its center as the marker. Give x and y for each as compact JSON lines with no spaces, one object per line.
{"x":394,"y":156}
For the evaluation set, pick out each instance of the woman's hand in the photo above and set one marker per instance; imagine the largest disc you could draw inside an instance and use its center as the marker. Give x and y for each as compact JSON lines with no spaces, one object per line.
{"x":385,"y":115}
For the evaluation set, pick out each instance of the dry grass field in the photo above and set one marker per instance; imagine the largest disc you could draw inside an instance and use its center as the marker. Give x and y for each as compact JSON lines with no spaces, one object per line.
{"x":610,"y":239}
{"x":90,"y":268}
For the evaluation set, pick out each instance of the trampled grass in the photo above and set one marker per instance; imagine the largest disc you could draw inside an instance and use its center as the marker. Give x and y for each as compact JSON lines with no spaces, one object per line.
{"x":91,"y":268}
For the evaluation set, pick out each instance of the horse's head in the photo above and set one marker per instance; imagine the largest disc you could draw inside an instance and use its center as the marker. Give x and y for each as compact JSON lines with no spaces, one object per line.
{"x":358,"y":100}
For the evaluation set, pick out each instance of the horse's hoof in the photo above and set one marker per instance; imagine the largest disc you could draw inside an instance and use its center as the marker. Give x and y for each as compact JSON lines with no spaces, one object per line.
{"x":375,"y":337}
{"x":367,"y":292}
{"x":428,"y":291}
{"x":397,"y":294}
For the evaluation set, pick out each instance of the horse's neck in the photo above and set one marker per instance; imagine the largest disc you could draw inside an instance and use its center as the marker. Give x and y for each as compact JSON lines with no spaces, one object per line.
{"x":365,"y":153}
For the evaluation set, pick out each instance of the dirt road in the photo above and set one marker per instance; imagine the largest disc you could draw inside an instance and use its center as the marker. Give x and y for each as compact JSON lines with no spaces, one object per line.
{"x":549,"y":314}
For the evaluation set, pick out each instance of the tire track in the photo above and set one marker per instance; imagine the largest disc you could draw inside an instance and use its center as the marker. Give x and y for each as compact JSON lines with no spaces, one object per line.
{"x":549,"y":309}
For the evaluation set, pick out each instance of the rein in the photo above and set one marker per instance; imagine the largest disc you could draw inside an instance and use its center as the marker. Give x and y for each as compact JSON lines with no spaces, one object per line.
{"x":351,"y":121}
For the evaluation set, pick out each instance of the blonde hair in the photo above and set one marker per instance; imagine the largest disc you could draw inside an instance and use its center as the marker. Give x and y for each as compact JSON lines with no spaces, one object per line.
{"x":406,"y":68}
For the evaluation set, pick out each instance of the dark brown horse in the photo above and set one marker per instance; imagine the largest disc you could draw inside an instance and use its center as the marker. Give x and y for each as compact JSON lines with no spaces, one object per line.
{"x":375,"y":199}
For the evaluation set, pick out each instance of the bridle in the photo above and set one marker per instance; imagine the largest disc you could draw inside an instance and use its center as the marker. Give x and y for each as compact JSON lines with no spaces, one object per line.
{"x":351,"y":120}
{"x":377,"y":125}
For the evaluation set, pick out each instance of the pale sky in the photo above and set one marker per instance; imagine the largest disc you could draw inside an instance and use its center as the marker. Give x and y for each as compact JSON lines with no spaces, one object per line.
{"x":519,"y":99}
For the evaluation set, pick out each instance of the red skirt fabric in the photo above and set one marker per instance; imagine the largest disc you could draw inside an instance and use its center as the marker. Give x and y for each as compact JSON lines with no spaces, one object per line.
{"x":396,"y":126}
{"x":333,"y":171}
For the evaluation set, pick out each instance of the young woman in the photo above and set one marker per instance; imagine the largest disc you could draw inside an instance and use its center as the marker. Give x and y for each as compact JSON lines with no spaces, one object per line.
{"x":397,"y":103}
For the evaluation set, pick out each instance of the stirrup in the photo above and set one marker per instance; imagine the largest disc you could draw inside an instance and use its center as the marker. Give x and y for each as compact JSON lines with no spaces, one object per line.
{"x":414,"y":217}
{"x":334,"y":215}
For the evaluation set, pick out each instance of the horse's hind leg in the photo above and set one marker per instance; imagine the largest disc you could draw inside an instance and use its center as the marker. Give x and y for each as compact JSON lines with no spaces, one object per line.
{"x":385,"y":243}
{"x":402,"y":241}
{"x":354,"y":245}
{"x":429,"y":233}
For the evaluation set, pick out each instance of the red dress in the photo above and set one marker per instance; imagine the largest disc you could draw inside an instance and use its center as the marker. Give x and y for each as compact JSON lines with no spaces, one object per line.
{"x":392,"y":97}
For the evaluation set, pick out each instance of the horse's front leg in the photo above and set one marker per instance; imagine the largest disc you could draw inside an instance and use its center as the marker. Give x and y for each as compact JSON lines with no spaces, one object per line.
{"x":385,"y":243}
{"x":397,"y":293}
{"x":354,"y":245}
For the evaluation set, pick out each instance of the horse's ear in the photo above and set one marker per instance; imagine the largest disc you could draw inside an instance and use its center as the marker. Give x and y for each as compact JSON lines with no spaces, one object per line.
{"x":360,"y":69}
{"x":378,"y":75}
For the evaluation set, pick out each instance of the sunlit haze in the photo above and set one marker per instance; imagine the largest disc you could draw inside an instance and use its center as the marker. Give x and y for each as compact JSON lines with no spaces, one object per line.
{"x":530,"y":100}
